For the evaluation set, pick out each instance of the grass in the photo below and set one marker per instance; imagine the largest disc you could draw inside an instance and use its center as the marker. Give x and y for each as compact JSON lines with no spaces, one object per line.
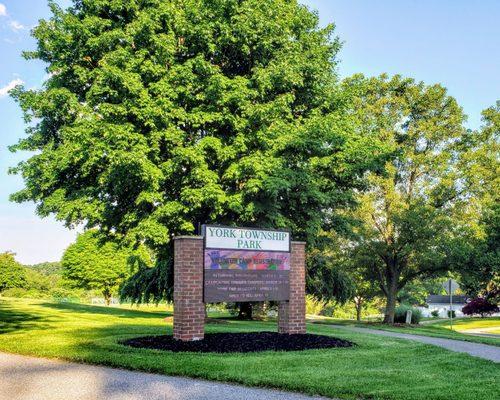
{"x":440,"y":328}
{"x":490,"y":324}
{"x":377,"y":368}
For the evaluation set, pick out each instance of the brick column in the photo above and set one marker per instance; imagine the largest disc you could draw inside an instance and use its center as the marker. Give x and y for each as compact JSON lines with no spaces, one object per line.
{"x":292,"y":313}
{"x":189,"y":310}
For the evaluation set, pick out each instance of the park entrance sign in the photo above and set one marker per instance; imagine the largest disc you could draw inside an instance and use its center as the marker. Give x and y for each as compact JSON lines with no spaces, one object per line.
{"x":245,"y":264}
{"x":222,"y":237}
{"x":228,"y":264}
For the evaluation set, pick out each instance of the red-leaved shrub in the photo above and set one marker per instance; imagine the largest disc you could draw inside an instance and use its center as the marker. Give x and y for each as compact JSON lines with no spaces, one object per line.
{"x":480,"y":306}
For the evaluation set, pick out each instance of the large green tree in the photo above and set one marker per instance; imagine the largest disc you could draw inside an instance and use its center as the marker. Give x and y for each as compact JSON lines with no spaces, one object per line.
{"x":478,"y":260}
{"x":12,"y":274}
{"x":409,"y":214}
{"x":94,"y":263}
{"x":161,"y":115}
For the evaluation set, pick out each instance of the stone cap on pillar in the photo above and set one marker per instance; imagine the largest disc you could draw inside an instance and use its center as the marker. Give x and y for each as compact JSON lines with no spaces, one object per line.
{"x":188,"y":237}
{"x":298,"y":242}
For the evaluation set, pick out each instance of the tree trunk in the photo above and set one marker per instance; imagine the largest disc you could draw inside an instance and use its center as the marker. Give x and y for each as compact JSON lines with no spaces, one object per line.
{"x":390,"y":306}
{"x":358,"y":302}
{"x":107,"y":296}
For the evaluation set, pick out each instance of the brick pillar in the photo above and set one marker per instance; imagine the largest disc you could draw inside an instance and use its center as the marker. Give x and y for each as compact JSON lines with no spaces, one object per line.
{"x":189,"y":310}
{"x":292,"y":313}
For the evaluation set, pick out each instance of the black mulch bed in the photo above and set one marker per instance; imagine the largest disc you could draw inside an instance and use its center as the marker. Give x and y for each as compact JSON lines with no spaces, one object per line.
{"x":240,"y":342}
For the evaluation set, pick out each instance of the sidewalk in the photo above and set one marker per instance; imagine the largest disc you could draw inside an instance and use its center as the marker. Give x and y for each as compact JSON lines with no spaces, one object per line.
{"x":485,"y":351}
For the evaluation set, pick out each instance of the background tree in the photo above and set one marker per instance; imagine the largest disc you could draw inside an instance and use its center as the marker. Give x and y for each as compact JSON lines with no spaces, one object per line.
{"x":159,"y":116}
{"x":365,"y":290}
{"x":334,"y":273}
{"x":478,"y":260}
{"x":416,"y":292}
{"x":326,"y":278}
{"x":53,"y":268}
{"x":408,"y":214}
{"x":91,"y":263}
{"x":44,"y":277}
{"x":12,"y":274}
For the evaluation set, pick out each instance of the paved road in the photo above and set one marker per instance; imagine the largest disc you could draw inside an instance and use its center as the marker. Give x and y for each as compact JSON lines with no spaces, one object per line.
{"x":26,"y":378}
{"x":485,"y":351}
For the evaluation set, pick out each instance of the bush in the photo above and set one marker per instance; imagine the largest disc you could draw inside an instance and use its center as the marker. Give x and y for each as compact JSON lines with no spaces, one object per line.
{"x":328,"y":310}
{"x":451,"y":314}
{"x":370,"y":309}
{"x":400,"y":314}
{"x":480,"y":306}
{"x":435,"y":313}
{"x":313,"y":305}
{"x":67,"y":295}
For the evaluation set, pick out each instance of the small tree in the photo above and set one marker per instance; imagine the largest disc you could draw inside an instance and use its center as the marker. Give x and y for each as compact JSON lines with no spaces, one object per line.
{"x":12,"y":274}
{"x":91,"y":263}
{"x":481,"y":307}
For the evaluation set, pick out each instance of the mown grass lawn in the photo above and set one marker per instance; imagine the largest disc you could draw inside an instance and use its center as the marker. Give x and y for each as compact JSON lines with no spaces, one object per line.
{"x":377,"y":368}
{"x":488,"y":324}
{"x":440,"y":328}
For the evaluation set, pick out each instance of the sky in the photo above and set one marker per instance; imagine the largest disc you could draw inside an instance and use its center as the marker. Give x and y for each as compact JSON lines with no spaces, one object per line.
{"x":452,"y":42}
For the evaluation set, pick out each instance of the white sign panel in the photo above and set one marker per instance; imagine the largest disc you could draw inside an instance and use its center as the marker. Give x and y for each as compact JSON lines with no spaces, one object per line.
{"x":222,"y":237}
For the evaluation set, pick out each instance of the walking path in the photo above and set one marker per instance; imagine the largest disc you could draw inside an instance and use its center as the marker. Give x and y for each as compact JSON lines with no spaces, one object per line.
{"x":27,"y":378}
{"x":485,"y":351}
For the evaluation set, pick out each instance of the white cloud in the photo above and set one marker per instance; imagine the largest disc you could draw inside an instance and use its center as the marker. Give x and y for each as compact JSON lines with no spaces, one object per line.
{"x":4,"y":91}
{"x":16,"y":26}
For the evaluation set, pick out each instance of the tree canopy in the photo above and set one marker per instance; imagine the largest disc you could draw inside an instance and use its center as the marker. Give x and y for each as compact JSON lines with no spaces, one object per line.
{"x":161,"y":115}
{"x":408,"y":214}
{"x":12,"y":274}
{"x":479,"y":258}
{"x":93,"y":263}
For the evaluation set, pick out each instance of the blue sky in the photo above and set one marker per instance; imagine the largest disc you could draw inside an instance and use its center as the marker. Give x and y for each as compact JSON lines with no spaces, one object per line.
{"x":452,"y":42}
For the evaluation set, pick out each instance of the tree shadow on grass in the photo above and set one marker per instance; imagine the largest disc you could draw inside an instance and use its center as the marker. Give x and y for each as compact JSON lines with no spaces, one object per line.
{"x":11,"y":319}
{"x":102,"y":310}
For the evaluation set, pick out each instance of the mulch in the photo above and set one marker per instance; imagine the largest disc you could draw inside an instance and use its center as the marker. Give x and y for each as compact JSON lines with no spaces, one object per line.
{"x":240,"y":342}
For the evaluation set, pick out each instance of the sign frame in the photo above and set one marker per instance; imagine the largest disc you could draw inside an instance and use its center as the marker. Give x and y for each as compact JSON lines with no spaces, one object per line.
{"x":205,"y":226}
{"x":203,"y":233}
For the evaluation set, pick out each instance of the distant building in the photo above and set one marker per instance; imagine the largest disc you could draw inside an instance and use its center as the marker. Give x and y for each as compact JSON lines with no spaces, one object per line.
{"x":442,"y":305}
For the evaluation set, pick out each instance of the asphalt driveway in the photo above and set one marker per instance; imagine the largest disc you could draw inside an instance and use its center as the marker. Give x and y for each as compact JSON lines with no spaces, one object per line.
{"x":27,"y":378}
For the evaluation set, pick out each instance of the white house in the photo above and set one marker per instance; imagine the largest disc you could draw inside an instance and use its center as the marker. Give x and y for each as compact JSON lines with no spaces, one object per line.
{"x":442,"y":305}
